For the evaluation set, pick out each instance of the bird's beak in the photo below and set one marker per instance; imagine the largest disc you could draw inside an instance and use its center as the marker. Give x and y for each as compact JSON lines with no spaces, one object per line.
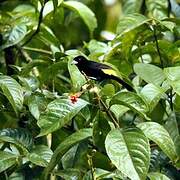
{"x":74,"y":62}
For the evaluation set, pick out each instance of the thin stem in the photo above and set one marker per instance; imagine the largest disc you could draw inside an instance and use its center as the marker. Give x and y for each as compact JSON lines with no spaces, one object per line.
{"x":157,"y":46}
{"x":108,"y":112}
{"x":90,"y":163}
{"x":37,"y":50}
{"x":38,"y":26}
{"x":171,"y":99}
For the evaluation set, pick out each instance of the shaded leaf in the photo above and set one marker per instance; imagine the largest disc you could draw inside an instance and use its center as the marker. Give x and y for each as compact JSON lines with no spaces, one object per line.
{"x":129,"y":151}
{"x":65,"y":146}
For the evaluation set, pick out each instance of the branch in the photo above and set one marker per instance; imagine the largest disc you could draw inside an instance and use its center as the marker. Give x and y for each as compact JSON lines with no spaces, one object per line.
{"x":37,"y":50}
{"x":157,"y":46}
{"x":38,"y":26}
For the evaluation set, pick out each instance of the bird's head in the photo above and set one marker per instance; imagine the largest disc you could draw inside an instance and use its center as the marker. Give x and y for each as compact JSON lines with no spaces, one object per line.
{"x":78,"y":60}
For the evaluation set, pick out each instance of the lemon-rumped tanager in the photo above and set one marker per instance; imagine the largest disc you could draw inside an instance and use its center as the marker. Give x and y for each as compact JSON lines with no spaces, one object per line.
{"x":98,"y":71}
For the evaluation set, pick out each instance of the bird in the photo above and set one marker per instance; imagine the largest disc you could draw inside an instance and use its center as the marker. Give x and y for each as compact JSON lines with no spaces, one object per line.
{"x":98,"y":71}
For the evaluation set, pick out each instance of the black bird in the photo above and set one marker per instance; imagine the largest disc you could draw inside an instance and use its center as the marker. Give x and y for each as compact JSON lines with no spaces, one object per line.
{"x":98,"y":71}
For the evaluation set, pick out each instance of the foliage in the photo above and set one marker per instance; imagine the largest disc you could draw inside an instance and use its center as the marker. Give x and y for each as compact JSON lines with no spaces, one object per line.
{"x":56,"y":123}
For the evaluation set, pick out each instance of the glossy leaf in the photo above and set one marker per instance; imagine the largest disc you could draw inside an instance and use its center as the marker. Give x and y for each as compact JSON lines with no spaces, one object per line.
{"x":13,"y":92}
{"x":58,"y":113}
{"x":84,"y":12}
{"x":131,"y":100}
{"x":149,"y":73}
{"x":7,"y":160}
{"x":160,"y":136}
{"x":129,"y":23}
{"x":152,"y":94}
{"x":129,"y":151}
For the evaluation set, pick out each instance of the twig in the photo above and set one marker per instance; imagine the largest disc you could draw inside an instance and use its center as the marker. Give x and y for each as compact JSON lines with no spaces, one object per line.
{"x":38,"y":26}
{"x":90,"y":163}
{"x":157,"y":46}
{"x":37,"y":50}
{"x":108,"y":112}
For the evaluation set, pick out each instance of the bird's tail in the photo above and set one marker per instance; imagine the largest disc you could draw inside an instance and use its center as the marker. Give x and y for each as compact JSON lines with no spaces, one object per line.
{"x":123,"y":83}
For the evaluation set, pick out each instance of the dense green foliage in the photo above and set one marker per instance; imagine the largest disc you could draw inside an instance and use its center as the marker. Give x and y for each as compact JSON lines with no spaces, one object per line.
{"x":57,"y":124}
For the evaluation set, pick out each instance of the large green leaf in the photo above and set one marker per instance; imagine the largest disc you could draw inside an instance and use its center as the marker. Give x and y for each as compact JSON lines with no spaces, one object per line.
{"x":152,"y":94}
{"x":131,"y":100}
{"x":173,"y":76}
{"x":7,"y":160}
{"x":40,"y":155}
{"x":65,"y":146}
{"x":13,"y":92}
{"x":149,"y":73}
{"x":84,"y":12}
{"x":130,"y":22}
{"x":160,"y":136}
{"x":157,"y":176}
{"x":129,"y":151}
{"x":58,"y":113}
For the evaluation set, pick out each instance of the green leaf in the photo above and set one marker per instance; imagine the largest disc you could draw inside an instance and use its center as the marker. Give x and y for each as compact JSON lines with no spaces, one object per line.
{"x":132,"y":6}
{"x":7,"y":160}
{"x":171,"y":126}
{"x":152,"y":94}
{"x":84,"y":12}
{"x":13,"y":92}
{"x":173,"y":76}
{"x":149,"y":73}
{"x":21,"y":148}
{"x":65,"y":146}
{"x":58,"y":113}
{"x":160,"y":136}
{"x":101,"y":128}
{"x":14,"y":36}
{"x":37,"y":103}
{"x":40,"y":155}
{"x":78,"y":80}
{"x":157,"y":9}
{"x":69,"y":174}
{"x":129,"y":151}
{"x":131,"y":100}
{"x":22,"y":136}
{"x":157,"y":176}
{"x":129,"y":23}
